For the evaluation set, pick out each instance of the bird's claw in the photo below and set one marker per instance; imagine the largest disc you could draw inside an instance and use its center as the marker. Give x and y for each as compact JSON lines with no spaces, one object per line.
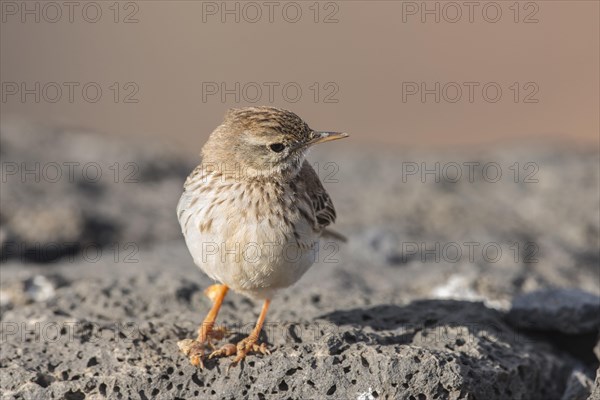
{"x":225,"y":350}
{"x":261,"y":348}
{"x":241,"y":350}
{"x":195,"y":350}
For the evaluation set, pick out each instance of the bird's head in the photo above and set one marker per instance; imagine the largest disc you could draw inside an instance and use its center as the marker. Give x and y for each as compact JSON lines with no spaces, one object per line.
{"x":263,"y":141}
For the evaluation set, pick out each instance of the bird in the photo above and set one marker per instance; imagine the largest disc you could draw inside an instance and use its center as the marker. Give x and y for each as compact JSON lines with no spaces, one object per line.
{"x":252,"y":213}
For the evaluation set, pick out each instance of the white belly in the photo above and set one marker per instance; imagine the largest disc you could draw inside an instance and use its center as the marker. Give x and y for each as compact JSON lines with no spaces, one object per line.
{"x":247,"y":246}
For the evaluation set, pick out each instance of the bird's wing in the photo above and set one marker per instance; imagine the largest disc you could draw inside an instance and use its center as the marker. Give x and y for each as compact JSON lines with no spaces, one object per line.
{"x":323,"y":210}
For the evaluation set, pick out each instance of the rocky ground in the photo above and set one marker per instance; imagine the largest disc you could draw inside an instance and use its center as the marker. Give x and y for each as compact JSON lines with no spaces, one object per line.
{"x":477,"y":287}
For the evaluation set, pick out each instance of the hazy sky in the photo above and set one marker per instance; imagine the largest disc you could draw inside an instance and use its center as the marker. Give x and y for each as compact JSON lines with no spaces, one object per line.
{"x":385,"y":71}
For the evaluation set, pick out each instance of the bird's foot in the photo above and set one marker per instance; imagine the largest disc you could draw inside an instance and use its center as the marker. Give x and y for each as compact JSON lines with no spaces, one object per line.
{"x":241,"y":349}
{"x":195,"y":349}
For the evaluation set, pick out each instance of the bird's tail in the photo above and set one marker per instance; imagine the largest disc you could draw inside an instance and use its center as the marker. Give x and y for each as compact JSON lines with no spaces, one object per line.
{"x":335,"y":235}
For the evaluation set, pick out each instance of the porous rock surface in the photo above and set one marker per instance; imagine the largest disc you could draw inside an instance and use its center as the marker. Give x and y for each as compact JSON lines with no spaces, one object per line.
{"x":116,"y":337}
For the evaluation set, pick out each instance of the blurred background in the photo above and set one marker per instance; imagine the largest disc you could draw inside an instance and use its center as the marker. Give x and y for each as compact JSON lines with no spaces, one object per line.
{"x":394,"y":73}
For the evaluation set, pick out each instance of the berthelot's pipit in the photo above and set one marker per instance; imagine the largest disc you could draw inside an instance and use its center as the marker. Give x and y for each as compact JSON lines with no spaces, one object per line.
{"x":252,"y":214}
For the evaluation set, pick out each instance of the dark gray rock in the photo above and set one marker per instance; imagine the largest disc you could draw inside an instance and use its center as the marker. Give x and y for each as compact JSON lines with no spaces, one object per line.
{"x":595,"y":395}
{"x":579,"y":386}
{"x":569,"y":311}
{"x":117,"y":338}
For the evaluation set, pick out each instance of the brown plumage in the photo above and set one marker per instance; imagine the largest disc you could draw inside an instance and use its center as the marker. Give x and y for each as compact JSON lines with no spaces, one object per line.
{"x":254,"y":189}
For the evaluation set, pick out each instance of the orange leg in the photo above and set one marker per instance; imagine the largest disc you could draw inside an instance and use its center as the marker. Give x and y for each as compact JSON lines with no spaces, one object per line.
{"x":217,"y":294}
{"x":248,"y":344}
{"x":195,"y":348}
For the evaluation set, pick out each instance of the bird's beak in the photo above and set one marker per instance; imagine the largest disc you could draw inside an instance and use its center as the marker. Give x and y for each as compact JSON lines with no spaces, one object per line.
{"x":322,"y":137}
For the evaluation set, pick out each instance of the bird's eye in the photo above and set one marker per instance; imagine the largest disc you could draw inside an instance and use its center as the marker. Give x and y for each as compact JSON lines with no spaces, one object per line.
{"x":277,"y":147}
